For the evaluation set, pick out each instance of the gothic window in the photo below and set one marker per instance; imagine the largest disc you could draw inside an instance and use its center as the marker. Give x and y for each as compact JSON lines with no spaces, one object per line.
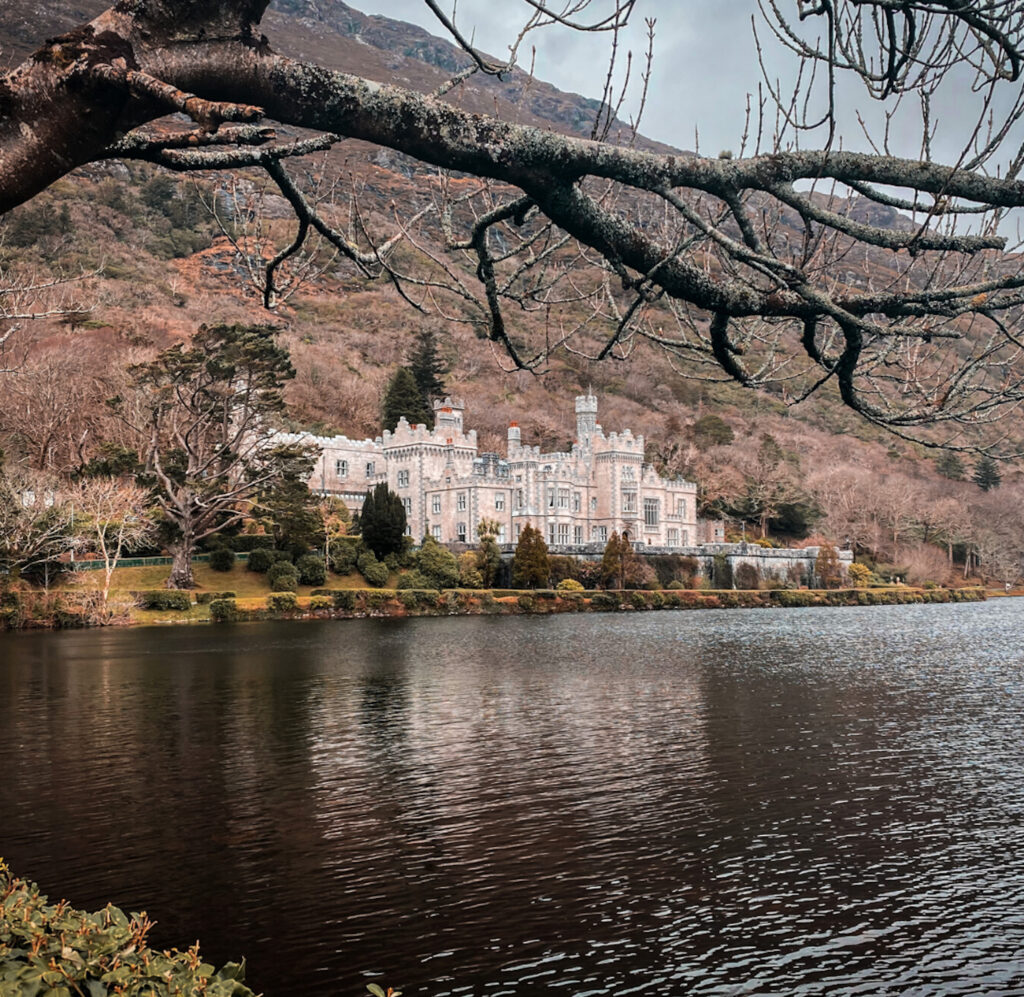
{"x":628,"y":473}
{"x":629,"y":501}
{"x":435,"y":505}
{"x":600,"y":534}
{"x":593,"y":504}
{"x":577,"y":534}
{"x":341,"y":468}
{"x":551,"y":498}
{"x":681,"y":508}
{"x":563,"y":498}
{"x":551,"y":533}
{"x":673,"y":537}
{"x":403,"y":479}
{"x":519,"y":498}
{"x":651,"y":512}
{"x":460,"y":501}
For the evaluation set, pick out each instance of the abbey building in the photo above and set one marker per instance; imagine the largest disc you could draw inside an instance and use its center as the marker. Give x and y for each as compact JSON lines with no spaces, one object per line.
{"x":575,"y":498}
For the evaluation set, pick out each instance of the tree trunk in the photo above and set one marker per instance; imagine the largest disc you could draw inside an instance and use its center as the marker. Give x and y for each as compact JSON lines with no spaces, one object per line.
{"x":181,"y":567}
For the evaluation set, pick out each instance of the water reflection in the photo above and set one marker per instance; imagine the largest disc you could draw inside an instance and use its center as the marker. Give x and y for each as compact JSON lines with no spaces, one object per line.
{"x":815,"y":802}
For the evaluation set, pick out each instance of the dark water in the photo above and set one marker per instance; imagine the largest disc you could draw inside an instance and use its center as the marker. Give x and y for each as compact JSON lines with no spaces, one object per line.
{"x":771,"y":802}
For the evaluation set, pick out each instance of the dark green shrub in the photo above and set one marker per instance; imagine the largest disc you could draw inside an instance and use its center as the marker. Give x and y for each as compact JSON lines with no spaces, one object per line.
{"x":375,"y":572}
{"x":604,"y":600}
{"x":638,"y":599}
{"x":344,"y":599}
{"x":321,"y":602}
{"x":655,"y":600}
{"x":284,"y":581}
{"x":409,"y":598}
{"x":374,"y":600}
{"x":202,"y":598}
{"x":413,"y":580}
{"x":223,"y":610}
{"x":437,"y":564}
{"x":527,"y":603}
{"x":312,"y":570}
{"x":261,"y":559}
{"x":282,"y":601}
{"x":344,"y":554}
{"x":246,"y":543}
{"x":165,"y":599}
{"x":675,"y":586}
{"x":222,"y":559}
{"x":59,"y":950}
{"x":279,"y":568}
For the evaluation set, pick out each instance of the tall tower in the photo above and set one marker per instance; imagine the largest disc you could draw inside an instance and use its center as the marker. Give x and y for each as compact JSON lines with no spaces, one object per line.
{"x":586,"y":418}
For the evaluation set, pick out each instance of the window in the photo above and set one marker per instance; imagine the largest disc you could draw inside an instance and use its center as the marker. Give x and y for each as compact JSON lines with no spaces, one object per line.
{"x":519,"y":529}
{"x":499,"y":500}
{"x":407,"y":506}
{"x":403,"y":479}
{"x":435,"y":532}
{"x":435,"y":505}
{"x":551,"y":498}
{"x":369,"y":468}
{"x":651,"y":509}
{"x":460,"y":532}
{"x":681,"y":508}
{"x":501,"y":533}
{"x":460,"y":501}
{"x":551,"y":533}
{"x":593,"y":504}
{"x":341,"y":468}
{"x":673,"y":537}
{"x":563,"y":533}
{"x":519,"y":498}
{"x":629,"y":501}
{"x":686,"y":538}
{"x":600,"y":534}
{"x":628,"y":474}
{"x":577,"y":501}
{"x":563,"y":498}
{"x":577,"y":534}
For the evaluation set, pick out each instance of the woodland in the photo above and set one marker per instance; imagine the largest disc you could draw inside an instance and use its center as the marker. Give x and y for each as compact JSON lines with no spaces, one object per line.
{"x":827,"y":341}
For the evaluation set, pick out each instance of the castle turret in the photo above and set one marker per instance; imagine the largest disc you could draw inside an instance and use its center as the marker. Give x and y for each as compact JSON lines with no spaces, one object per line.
{"x":586,"y":418}
{"x":515,"y":438}
{"x":448,"y":416}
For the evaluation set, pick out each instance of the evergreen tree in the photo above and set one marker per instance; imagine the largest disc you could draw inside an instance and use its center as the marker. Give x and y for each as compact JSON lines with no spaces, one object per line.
{"x":488,"y":557}
{"x":949,"y":465}
{"x":426,"y":367}
{"x":403,"y":398}
{"x":986,"y":474}
{"x":530,"y":563}
{"x":613,"y":564}
{"x":383,"y":521}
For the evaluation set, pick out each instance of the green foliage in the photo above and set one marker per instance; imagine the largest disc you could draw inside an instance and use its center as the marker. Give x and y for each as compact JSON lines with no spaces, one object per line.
{"x":224,"y":611}
{"x":986,"y":474}
{"x":604,"y":600}
{"x":488,"y":556}
{"x":569,"y":585}
{"x":469,"y":573}
{"x":282,"y":601}
{"x":344,"y":554}
{"x":312,"y":570}
{"x":639,"y":600}
{"x":262,"y":559}
{"x":288,"y":510}
{"x":283,"y":577}
{"x":111,"y":461}
{"x":711,"y":431}
{"x":949,"y":465}
{"x":403,"y":398}
{"x":202,"y":598}
{"x":436,"y":565}
{"x":56,"y":949}
{"x":222,"y":559}
{"x":618,"y":552}
{"x":164,"y":599}
{"x":382,"y":521}
{"x":827,"y":566}
{"x":321,"y":602}
{"x":860,"y":575}
{"x":530,"y":568}
{"x":721,"y":572}
{"x":427,"y":367}
{"x":375,"y":572}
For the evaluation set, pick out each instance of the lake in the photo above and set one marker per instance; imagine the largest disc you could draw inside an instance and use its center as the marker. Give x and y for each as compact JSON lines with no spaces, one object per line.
{"x":769,"y":802}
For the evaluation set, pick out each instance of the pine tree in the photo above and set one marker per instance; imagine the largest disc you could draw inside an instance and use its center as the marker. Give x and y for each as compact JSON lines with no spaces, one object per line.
{"x":426,"y":367}
{"x":530,"y":564}
{"x":403,"y":398}
{"x":383,"y":521}
{"x":986,"y":474}
{"x":949,"y":465}
{"x":613,"y":564}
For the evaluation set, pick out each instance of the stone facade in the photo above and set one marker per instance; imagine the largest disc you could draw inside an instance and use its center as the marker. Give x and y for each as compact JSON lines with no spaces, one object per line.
{"x":576,"y":498}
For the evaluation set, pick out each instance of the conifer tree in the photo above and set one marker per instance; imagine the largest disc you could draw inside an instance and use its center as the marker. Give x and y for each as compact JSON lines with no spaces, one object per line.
{"x":949,"y":465}
{"x":530,"y":564}
{"x":403,"y":398}
{"x":427,"y":367}
{"x":383,"y":521}
{"x":986,"y":474}
{"x":613,"y":563}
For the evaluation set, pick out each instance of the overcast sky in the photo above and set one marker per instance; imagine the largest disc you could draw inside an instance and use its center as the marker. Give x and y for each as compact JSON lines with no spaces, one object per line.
{"x":705,"y":65}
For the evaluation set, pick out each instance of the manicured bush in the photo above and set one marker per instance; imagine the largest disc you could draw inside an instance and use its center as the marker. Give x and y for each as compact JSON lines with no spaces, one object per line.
{"x":375,"y":572}
{"x":261,"y":559}
{"x":312,"y":570}
{"x":413,"y":580}
{"x":165,"y":599}
{"x":527,"y":603}
{"x":569,"y":585}
{"x":437,"y":564}
{"x":285,"y":580}
{"x":409,"y":598}
{"x":279,"y":568}
{"x":223,"y":610}
{"x":55,"y":949}
{"x":655,"y":600}
{"x":604,"y":600}
{"x":638,"y":600}
{"x":373,"y":600}
{"x":860,"y":575}
{"x":202,"y":598}
{"x":675,"y":586}
{"x":222,"y":559}
{"x":321,"y":602}
{"x":282,"y":601}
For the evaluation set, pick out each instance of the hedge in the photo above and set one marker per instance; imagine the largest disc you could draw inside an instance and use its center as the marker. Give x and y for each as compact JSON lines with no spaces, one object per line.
{"x":164,"y":599}
{"x":202,"y":598}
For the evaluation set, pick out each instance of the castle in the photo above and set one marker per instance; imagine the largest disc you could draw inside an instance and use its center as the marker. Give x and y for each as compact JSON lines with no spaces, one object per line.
{"x":575,"y":498}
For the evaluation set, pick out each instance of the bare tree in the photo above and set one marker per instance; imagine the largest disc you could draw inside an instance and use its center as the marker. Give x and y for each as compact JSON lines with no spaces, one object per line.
{"x":759,"y":268}
{"x":36,"y":523}
{"x":112,"y":518}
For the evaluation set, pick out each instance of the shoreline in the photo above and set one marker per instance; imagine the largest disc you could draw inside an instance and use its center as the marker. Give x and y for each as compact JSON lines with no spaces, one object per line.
{"x":16,"y":612}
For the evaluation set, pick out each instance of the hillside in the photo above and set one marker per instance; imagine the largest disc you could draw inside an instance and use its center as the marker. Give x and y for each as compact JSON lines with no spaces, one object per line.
{"x":165,"y":268}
